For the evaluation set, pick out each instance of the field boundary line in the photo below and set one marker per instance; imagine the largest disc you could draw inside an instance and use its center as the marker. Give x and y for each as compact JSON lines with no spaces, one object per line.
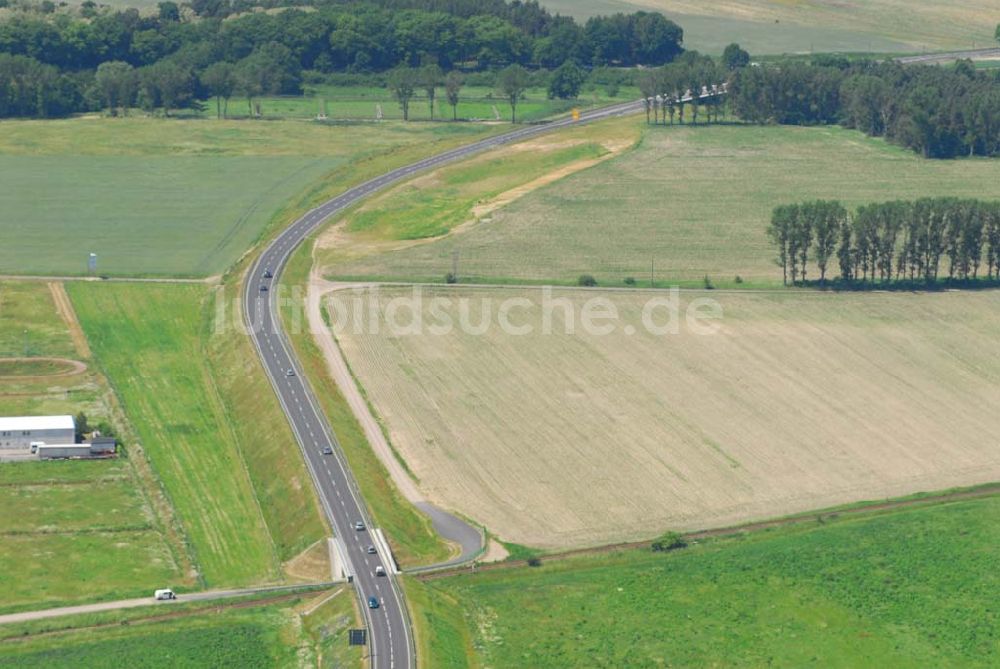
{"x":861,"y":509}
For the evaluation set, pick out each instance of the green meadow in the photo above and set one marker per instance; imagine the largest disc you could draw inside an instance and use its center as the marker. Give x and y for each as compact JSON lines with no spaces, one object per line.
{"x":360,"y":103}
{"x":309,"y":629}
{"x":243,"y":501}
{"x":911,"y":588}
{"x":168,"y":197}
{"x":82,"y":531}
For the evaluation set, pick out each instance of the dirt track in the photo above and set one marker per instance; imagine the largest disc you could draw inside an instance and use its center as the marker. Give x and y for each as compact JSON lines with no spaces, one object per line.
{"x":75,"y":367}
{"x":66,"y":312}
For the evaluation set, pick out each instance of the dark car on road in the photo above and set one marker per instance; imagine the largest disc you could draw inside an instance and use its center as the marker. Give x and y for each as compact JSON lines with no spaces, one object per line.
{"x":372,"y":602}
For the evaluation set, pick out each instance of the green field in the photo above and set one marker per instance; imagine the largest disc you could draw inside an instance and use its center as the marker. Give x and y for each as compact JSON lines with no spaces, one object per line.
{"x":783,"y":26}
{"x":911,"y":588}
{"x":82,"y":531}
{"x":359,"y":103}
{"x":154,"y":197}
{"x":30,"y":326}
{"x":299,"y":632}
{"x":691,"y":201}
{"x":243,"y":503}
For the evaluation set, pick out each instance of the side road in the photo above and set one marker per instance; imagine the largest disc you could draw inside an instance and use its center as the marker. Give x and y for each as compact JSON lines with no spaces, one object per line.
{"x":207,"y":596}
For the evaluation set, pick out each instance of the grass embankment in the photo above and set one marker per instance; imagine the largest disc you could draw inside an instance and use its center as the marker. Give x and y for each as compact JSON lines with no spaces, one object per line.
{"x":410,"y":533}
{"x":280,"y":479}
{"x":187,"y":396}
{"x":690,"y":201}
{"x":276,"y":632}
{"x":442,"y":635}
{"x":167,"y":198}
{"x":911,"y":588}
{"x":465,"y":194}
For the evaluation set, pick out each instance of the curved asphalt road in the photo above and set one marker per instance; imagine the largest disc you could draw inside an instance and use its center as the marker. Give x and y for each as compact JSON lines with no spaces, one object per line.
{"x":390,"y":640}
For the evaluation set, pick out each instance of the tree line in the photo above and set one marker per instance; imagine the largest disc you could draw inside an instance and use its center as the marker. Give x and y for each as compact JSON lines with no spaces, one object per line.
{"x":939,"y":112}
{"x":54,"y":64}
{"x":922,"y":241}
{"x":691,"y":73}
{"x":334,"y":36}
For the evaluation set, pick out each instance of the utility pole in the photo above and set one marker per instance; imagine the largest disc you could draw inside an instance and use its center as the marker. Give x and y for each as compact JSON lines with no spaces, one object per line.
{"x":652,"y":283}
{"x":454,"y":265}
{"x":26,"y":346}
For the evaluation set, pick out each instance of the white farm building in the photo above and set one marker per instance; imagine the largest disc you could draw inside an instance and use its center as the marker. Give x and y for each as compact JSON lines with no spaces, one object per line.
{"x":20,"y":432}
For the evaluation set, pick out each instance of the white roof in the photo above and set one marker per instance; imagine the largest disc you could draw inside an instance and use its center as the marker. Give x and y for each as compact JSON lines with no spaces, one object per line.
{"x":13,"y":423}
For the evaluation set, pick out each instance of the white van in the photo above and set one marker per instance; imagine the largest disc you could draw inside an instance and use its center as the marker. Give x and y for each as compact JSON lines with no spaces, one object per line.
{"x":164,"y":595}
{"x":379,"y":570}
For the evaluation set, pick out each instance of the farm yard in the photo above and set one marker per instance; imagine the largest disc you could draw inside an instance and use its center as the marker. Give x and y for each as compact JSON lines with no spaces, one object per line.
{"x":800,"y":401}
{"x":804,"y":26}
{"x":175,"y":198}
{"x":640,"y":208}
{"x":914,"y":587}
{"x":82,"y":529}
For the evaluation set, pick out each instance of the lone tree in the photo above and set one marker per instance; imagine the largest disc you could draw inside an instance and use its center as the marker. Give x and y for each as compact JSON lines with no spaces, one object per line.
{"x":116,"y":82}
{"x":452,"y":88}
{"x":512,"y":82}
{"x":220,"y":80}
{"x":431,"y":77}
{"x":402,"y":83}
{"x":734,"y":57}
{"x":780,"y":233}
{"x":566,"y":81}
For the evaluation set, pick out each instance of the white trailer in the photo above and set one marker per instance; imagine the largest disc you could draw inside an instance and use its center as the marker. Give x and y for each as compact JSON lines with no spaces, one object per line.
{"x":58,"y":451}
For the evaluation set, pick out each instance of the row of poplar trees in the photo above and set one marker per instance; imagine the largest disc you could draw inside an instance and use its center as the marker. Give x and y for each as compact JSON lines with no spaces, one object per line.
{"x":921,"y":241}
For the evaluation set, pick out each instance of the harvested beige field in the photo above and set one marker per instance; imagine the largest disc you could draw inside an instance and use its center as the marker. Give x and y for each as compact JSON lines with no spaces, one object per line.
{"x":800,"y":401}
{"x":784,"y":26}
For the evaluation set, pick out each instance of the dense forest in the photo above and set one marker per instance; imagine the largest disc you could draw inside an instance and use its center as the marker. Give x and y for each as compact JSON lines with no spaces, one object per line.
{"x":54,"y":63}
{"x":914,"y":243}
{"x":940,"y":112}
